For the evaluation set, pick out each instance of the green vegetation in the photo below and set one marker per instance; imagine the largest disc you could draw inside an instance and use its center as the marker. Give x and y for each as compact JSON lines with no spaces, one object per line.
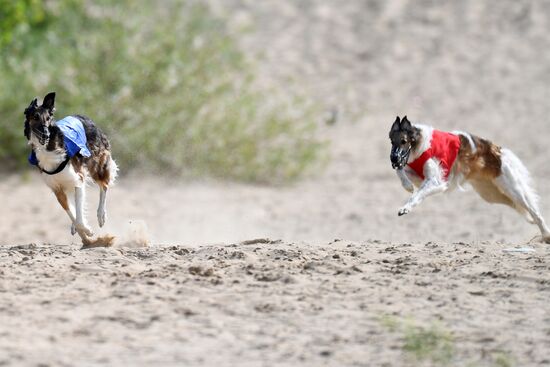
{"x":502,"y":359}
{"x":19,"y":14}
{"x":167,"y":82}
{"x":421,"y":343}
{"x":435,"y":344}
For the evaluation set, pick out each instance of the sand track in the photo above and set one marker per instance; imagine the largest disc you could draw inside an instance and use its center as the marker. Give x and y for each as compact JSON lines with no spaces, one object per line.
{"x":269,"y":303}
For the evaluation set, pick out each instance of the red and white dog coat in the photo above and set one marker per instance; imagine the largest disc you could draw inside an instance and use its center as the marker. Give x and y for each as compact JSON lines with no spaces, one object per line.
{"x":443,"y":147}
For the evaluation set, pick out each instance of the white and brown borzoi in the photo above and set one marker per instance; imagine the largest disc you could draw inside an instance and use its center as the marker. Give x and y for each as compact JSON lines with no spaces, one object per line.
{"x":435,"y":161}
{"x":68,"y":152}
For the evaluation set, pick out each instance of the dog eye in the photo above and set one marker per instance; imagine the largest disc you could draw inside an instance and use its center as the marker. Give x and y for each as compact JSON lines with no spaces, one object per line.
{"x":403,"y":142}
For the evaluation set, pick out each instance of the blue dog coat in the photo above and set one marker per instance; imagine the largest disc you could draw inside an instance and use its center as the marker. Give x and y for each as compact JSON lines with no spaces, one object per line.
{"x":74,"y":137}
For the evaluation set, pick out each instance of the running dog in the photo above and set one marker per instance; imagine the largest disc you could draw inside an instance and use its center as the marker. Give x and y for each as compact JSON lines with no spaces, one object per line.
{"x":434,"y":161}
{"x":67,"y":152}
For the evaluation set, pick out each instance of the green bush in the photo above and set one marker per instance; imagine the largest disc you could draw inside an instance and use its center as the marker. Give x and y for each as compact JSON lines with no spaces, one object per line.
{"x":167,"y":82}
{"x":19,"y":14}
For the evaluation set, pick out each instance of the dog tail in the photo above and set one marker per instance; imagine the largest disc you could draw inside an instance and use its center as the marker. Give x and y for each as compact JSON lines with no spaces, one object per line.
{"x":113,"y":171}
{"x":512,"y":165}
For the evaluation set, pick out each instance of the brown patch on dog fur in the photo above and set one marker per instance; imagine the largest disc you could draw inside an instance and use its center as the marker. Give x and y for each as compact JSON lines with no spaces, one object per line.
{"x":78,"y":166}
{"x":100,"y":241}
{"x":484,"y":163}
{"x":99,"y":166}
{"x":481,"y":167}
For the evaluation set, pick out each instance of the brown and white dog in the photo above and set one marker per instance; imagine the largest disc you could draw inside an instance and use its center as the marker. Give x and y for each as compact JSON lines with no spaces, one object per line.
{"x":68,"y":152}
{"x":434,"y":162}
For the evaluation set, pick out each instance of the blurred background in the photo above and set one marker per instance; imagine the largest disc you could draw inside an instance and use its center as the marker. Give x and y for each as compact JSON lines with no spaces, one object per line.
{"x":234,"y":119}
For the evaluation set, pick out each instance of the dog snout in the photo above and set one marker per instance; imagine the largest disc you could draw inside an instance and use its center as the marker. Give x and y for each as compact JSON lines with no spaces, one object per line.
{"x":394,"y":155}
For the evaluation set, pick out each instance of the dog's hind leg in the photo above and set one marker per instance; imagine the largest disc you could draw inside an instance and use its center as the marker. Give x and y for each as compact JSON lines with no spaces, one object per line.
{"x":524,"y":204}
{"x":103,"y":170}
{"x":101,"y":211}
{"x":104,"y":181}
{"x":492,"y":192}
{"x":514,"y":182}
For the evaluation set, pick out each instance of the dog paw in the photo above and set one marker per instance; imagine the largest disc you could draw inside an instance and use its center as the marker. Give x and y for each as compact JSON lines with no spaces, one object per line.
{"x":73,"y":229}
{"x":101,"y":217}
{"x":409,"y":188}
{"x":546,"y":239}
{"x":81,"y":228}
{"x":403,"y":211}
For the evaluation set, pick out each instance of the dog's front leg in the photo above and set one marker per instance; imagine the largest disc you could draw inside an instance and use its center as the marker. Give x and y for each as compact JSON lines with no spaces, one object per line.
{"x":63,"y":200}
{"x":432,"y":184}
{"x":405,"y":181}
{"x":429,"y":187}
{"x":80,"y":225}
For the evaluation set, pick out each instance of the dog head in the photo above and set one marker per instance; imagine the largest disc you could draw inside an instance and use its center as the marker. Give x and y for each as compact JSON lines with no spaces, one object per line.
{"x":38,"y":119}
{"x":404,"y":138}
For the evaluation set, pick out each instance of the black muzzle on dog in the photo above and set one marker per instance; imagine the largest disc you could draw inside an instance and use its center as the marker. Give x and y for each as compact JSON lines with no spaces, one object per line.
{"x":43,"y":135}
{"x":399,"y":157}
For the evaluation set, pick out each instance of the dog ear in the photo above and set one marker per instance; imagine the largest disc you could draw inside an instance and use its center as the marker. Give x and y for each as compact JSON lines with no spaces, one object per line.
{"x":27,"y":130}
{"x":395,"y":126}
{"x":406,"y":124}
{"x":33,"y":104}
{"x":49,"y":102}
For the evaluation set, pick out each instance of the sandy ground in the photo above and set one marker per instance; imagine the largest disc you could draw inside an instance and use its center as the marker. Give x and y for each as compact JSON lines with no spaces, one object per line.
{"x":270,"y":304}
{"x":197,"y":296}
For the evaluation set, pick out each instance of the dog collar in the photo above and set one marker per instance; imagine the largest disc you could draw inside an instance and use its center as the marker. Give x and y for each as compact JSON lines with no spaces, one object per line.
{"x":60,"y":168}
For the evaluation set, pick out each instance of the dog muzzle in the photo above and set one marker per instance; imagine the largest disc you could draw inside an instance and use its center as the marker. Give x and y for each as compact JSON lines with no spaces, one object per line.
{"x":43,"y":135}
{"x":399,"y":157}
